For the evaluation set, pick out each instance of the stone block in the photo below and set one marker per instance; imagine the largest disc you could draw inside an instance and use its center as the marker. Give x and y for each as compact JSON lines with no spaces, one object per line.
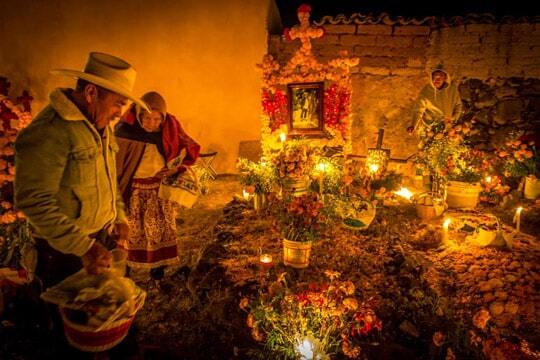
{"x":408,"y":71}
{"x":466,"y":39}
{"x":374,"y":29}
{"x":340,"y":29}
{"x":523,"y":60}
{"x":357,"y":39}
{"x":326,"y":39}
{"x":421,"y":42}
{"x":412,"y":30}
{"x":480,"y":28}
{"x":375,"y":70}
{"x":394,"y":41}
{"x":389,"y":51}
{"x":385,"y":61}
{"x":250,"y":150}
{"x":416,"y":62}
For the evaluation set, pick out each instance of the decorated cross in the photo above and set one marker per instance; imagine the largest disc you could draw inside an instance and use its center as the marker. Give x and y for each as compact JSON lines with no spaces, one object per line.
{"x":304,"y":31}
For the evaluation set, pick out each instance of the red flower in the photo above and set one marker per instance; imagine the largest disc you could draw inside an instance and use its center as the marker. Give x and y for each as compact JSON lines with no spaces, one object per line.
{"x":304,"y":8}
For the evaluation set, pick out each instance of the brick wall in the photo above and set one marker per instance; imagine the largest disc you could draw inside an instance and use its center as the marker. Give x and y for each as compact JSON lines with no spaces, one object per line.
{"x":395,"y":60}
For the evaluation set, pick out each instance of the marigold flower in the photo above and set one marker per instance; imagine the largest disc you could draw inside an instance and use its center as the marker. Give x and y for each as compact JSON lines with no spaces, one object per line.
{"x":350,"y":303}
{"x":244,"y":303}
{"x":250,"y":321}
{"x":438,"y":338}
{"x":481,"y":318}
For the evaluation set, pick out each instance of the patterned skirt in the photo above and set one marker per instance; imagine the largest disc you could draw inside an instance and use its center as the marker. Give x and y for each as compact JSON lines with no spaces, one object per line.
{"x":152,"y":227}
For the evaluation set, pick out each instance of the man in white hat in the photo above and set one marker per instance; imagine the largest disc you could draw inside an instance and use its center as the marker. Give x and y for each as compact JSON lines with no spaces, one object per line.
{"x":65,"y":181}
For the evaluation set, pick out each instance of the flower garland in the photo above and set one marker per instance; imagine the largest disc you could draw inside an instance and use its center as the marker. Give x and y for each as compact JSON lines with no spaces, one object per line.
{"x":275,"y":106}
{"x":337,"y":101}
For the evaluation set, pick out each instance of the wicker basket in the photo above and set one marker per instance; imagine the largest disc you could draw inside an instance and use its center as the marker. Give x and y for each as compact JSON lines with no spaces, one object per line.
{"x":86,"y":338}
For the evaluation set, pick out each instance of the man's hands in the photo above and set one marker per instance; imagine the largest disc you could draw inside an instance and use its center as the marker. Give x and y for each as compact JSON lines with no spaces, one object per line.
{"x":97,"y":259}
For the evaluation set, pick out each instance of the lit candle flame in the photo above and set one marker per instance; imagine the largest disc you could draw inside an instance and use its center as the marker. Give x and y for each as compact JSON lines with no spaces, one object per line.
{"x":282,"y":137}
{"x":404,"y":192}
{"x":373,"y":168}
{"x":446,"y":223}
{"x":488,"y":179}
{"x":321,"y":167}
{"x":266,"y":258}
{"x":519,"y":210}
{"x":245,"y":194}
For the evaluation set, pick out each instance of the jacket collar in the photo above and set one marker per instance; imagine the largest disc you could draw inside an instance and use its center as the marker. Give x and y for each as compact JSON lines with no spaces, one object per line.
{"x":63,"y":105}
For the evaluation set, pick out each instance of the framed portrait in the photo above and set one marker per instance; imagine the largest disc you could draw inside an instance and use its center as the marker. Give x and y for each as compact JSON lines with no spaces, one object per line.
{"x":306,"y":109}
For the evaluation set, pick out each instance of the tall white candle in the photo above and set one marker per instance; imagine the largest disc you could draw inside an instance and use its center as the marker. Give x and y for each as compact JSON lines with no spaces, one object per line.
{"x":517,"y":218}
{"x":446,"y":236}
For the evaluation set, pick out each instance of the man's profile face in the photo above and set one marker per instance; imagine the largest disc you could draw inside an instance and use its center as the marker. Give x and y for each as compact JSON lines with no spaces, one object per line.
{"x":107,"y":106}
{"x":438,"y":78}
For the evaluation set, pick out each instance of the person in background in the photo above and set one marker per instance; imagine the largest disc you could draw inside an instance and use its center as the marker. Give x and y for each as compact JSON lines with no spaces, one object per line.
{"x":148,"y":141}
{"x":439,"y":99}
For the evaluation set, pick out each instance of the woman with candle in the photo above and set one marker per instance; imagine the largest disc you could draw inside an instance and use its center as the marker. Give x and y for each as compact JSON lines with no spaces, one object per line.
{"x":147,"y":142}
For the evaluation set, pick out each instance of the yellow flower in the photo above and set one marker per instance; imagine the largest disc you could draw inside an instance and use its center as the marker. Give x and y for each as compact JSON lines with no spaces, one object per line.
{"x":347,"y":287}
{"x":350,"y":303}
{"x":332,"y":274}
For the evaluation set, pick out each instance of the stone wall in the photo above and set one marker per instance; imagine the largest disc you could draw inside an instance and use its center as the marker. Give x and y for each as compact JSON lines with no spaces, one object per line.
{"x":395,"y":61}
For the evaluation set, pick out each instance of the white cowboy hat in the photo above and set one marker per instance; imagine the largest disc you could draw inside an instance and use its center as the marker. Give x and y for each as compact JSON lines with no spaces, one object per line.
{"x":108,"y":72}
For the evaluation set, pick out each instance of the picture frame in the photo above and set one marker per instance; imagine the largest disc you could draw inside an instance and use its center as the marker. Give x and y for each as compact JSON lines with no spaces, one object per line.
{"x":306,"y":109}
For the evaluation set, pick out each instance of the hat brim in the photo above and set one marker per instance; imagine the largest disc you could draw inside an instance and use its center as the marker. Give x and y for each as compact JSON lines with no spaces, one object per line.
{"x":104,"y":83}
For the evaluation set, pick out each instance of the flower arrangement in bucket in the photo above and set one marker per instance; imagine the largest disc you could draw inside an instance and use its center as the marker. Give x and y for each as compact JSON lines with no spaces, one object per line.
{"x":445,"y":153}
{"x":300,"y":221}
{"x":293,"y":163}
{"x":258,"y":179}
{"x":521,"y":159}
{"x":315,"y":321}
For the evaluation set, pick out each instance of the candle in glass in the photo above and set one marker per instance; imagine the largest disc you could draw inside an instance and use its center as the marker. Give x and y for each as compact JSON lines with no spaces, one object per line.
{"x":266,"y":261}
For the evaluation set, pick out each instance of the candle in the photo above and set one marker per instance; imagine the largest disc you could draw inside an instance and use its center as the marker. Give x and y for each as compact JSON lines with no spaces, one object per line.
{"x":488,"y":179}
{"x":373,"y":168}
{"x":517,"y":218}
{"x":446,"y":236}
{"x":282,"y":137}
{"x":245,"y":194}
{"x":404,"y":193}
{"x":322,"y":168}
{"x":265,"y":261}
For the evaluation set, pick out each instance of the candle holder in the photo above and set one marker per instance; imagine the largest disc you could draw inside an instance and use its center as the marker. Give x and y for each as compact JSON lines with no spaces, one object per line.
{"x":265,"y":262}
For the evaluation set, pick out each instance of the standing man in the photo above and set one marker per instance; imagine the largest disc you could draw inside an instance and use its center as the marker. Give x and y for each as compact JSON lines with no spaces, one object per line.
{"x":438,"y":100}
{"x":65,"y":181}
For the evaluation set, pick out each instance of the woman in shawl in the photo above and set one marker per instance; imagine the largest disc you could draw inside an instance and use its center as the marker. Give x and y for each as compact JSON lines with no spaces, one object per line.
{"x":147,"y":142}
